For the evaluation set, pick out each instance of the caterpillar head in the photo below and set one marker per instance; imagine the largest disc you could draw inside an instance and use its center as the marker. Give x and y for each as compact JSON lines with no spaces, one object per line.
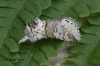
{"x":34,"y":31}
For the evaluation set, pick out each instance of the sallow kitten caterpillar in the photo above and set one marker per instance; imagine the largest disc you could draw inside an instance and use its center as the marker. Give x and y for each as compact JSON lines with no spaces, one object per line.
{"x":65,"y":28}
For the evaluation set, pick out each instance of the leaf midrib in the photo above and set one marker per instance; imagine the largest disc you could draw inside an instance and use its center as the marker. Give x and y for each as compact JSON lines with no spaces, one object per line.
{"x":11,"y":21}
{"x":31,"y":53}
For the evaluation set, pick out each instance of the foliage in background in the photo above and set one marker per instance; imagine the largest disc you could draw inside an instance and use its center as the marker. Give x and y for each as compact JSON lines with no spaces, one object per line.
{"x":15,"y":14}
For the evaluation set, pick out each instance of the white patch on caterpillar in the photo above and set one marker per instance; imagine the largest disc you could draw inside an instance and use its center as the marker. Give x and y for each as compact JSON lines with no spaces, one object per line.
{"x":62,"y":28}
{"x":34,"y":31}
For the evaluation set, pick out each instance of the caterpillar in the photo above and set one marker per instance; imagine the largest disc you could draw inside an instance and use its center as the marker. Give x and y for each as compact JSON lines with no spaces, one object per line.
{"x":65,"y":28}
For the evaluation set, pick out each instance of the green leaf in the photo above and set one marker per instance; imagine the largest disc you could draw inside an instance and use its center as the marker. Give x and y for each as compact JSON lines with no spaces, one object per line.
{"x":89,"y":39}
{"x":71,"y":13}
{"x":90,"y":56}
{"x":7,"y":14}
{"x":39,"y":57}
{"x":92,"y":30}
{"x":5,"y":62}
{"x":79,"y":11}
{"x":48,"y":50}
{"x":94,"y":20}
{"x":83,"y":8}
{"x":92,"y":5}
{"x":27,"y":13}
{"x":85,"y":54}
{"x":11,"y":45}
{"x":76,"y":56}
{"x":56,"y":43}
{"x":15,"y":14}
{"x":12,"y":25}
{"x":37,"y":53}
{"x":9,"y":55}
{"x":95,"y":56}
{"x":44,"y":3}
{"x":57,"y":8}
{"x":77,"y":48}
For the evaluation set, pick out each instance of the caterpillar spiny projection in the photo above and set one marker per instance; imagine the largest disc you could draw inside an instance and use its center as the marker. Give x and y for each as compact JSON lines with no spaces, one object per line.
{"x":65,"y":28}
